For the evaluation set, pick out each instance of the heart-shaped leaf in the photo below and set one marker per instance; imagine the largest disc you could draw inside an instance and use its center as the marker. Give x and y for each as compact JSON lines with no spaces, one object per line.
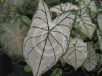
{"x":91,"y":61}
{"x":63,"y":7}
{"x":46,"y":40}
{"x":85,"y":24}
{"x":77,"y":53}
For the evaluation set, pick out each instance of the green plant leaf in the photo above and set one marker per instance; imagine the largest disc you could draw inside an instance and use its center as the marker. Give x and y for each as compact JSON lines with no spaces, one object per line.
{"x":11,"y":37}
{"x":26,"y":20}
{"x":57,"y":72}
{"x":17,"y":3}
{"x":47,"y":40}
{"x":27,"y":69}
{"x":77,"y":53}
{"x":3,"y":14}
{"x":91,"y":62}
{"x":63,"y":7}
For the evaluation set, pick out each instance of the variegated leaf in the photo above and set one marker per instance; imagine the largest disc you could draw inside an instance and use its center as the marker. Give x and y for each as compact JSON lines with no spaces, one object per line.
{"x":85,"y":24}
{"x":63,"y":7}
{"x":91,"y":61}
{"x":99,"y":35}
{"x":90,"y":4}
{"x":77,"y":53}
{"x":100,"y":21}
{"x":99,"y":32}
{"x":46,"y":40}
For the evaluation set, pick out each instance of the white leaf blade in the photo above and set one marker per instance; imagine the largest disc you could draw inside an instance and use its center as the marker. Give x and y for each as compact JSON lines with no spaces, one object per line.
{"x":46,"y":40}
{"x":63,"y":7}
{"x":90,"y":4}
{"x":35,"y":58}
{"x":99,"y":34}
{"x":40,"y":20}
{"x":84,"y":22}
{"x":100,"y":30}
{"x":91,"y":61}
{"x":100,"y":21}
{"x":63,"y":25}
{"x":77,"y":53}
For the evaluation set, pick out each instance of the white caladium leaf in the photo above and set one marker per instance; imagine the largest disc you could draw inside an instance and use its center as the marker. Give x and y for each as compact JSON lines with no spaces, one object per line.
{"x":91,"y":61}
{"x":85,"y":24}
{"x":63,"y":7}
{"x":100,"y":21}
{"x":77,"y":53}
{"x":46,"y":40}
{"x":99,"y":34}
{"x":90,"y":4}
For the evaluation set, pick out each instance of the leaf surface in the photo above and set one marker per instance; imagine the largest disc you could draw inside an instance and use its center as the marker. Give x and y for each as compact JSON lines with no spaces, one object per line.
{"x":91,"y":62}
{"x":100,"y":21}
{"x":85,"y":24}
{"x":63,"y":7}
{"x":46,"y":40}
{"x":77,"y":53}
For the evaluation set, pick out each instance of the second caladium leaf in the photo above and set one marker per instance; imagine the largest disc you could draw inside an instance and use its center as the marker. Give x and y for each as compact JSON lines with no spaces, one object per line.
{"x":63,"y":7}
{"x":99,"y":32}
{"x":100,"y":21}
{"x":91,"y":61}
{"x":77,"y":53}
{"x":90,"y":4}
{"x":85,"y":24}
{"x":46,"y":40}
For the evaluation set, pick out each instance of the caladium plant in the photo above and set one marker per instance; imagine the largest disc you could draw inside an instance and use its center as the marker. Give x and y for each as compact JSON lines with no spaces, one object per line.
{"x":49,"y":40}
{"x":63,"y":7}
{"x":99,"y":32}
{"x":77,"y":53}
{"x":91,"y":60}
